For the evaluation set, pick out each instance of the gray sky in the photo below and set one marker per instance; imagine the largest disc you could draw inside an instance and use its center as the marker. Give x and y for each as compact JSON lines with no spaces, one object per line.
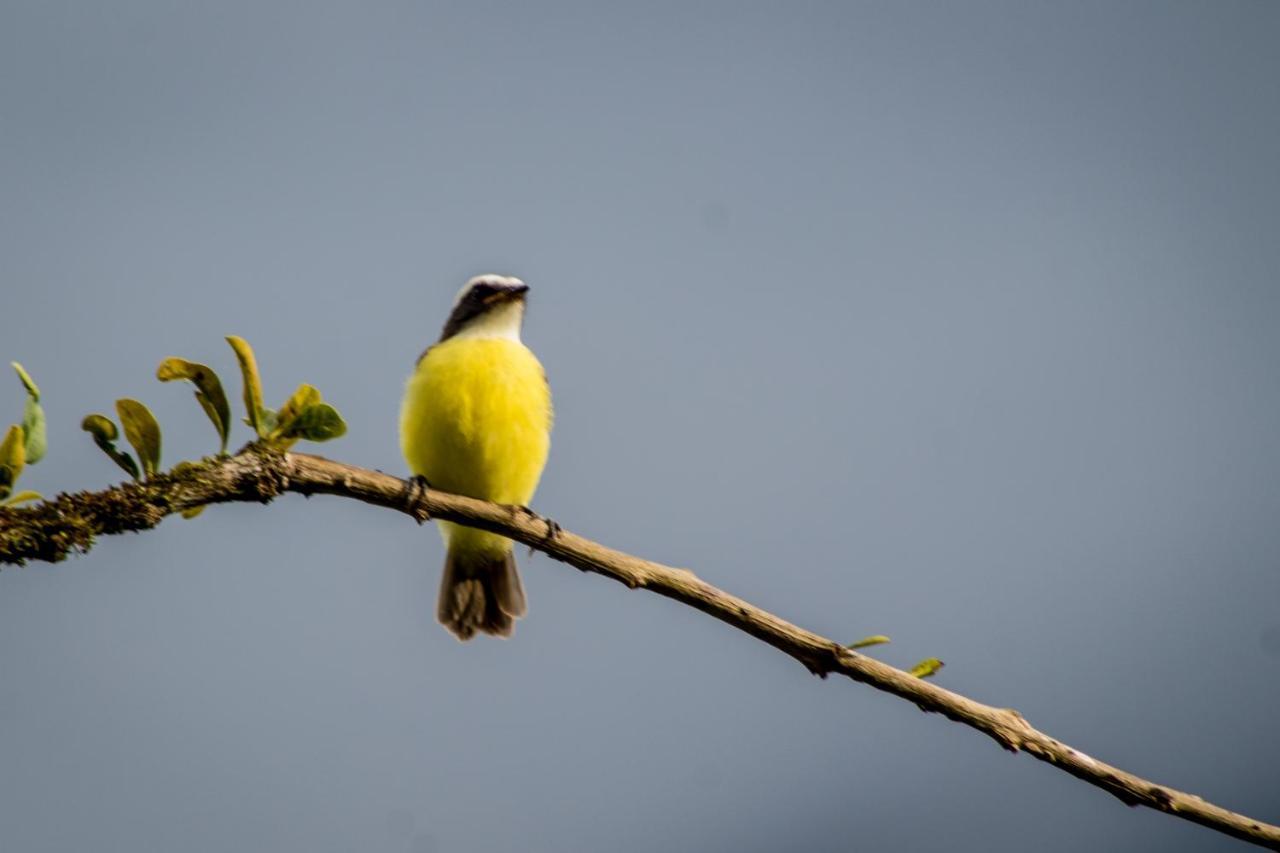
{"x":955,"y":322}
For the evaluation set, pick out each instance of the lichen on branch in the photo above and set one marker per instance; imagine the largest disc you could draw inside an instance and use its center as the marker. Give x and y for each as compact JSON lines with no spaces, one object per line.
{"x":69,"y":524}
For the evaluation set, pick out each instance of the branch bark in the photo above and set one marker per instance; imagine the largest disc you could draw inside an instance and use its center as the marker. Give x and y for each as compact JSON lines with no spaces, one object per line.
{"x":69,"y":524}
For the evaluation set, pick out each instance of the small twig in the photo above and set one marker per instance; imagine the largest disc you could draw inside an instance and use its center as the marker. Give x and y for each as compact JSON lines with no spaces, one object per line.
{"x":68,"y":524}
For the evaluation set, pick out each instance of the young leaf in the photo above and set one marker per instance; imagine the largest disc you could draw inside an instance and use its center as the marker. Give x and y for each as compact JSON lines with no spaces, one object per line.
{"x":193,"y":511}
{"x":266,"y":420}
{"x":873,"y":640}
{"x":209,"y":392}
{"x":104,"y":433}
{"x":13,"y":456}
{"x":926,"y":668}
{"x":33,"y":423}
{"x":142,"y":431}
{"x":303,"y":398}
{"x":33,"y":431}
{"x":21,"y":498}
{"x":252,"y":383}
{"x":27,"y":381}
{"x":319,"y":422}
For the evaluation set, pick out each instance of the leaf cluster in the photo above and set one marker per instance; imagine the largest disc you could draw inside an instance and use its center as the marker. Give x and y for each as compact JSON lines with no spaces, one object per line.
{"x":23,"y":444}
{"x":304,"y":415}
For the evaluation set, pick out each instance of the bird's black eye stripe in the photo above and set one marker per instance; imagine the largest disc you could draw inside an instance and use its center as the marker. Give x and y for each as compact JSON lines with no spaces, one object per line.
{"x":471,"y":306}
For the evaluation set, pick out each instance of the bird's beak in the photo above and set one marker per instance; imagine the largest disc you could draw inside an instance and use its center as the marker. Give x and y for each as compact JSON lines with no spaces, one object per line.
{"x":514,"y":293}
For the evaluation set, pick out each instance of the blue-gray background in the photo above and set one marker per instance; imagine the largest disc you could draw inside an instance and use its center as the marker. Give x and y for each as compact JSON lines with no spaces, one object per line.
{"x":956,"y":322}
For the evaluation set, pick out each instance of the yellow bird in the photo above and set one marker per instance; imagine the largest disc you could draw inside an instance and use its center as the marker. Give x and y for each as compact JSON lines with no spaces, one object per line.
{"x":476,"y":421}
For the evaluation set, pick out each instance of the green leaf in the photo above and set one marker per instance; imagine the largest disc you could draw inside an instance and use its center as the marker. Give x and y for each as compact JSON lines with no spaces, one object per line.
{"x":13,"y":456}
{"x":104,"y":433}
{"x":142,"y":431}
{"x":865,"y":642}
{"x":926,"y":668}
{"x":34,"y":435}
{"x":252,"y":383}
{"x":266,"y":420}
{"x":33,"y":431}
{"x":209,"y":393}
{"x":22,"y":498}
{"x":193,"y":511}
{"x":319,"y":422}
{"x":101,"y":427}
{"x":280,"y":433}
{"x":303,"y":398}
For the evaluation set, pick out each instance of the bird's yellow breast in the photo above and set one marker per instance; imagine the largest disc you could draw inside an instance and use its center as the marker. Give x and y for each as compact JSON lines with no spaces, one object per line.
{"x":476,"y":420}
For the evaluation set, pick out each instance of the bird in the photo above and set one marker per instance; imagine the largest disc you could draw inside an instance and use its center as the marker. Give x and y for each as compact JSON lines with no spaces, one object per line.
{"x":476,"y":420}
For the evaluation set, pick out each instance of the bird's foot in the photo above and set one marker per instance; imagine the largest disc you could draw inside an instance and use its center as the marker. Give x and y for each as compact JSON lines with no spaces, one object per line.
{"x":414,"y":493}
{"x":553,"y":527}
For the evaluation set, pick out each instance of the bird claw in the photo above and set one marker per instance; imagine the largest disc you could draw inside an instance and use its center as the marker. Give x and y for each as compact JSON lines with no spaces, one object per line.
{"x":553,"y":527}
{"x":414,"y":493}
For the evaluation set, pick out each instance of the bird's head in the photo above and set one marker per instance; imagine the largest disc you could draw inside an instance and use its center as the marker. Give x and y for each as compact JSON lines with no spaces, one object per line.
{"x":488,"y":306}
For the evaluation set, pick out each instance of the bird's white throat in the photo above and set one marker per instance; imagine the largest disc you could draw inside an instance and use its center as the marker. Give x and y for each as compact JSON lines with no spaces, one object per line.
{"x":501,"y":321}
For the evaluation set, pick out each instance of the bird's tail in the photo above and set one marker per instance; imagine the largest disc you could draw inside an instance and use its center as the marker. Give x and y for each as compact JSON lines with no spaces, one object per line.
{"x":480,"y":591}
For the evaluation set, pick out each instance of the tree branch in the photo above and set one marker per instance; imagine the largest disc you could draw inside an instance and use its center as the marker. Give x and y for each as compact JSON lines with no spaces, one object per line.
{"x":68,"y":524}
